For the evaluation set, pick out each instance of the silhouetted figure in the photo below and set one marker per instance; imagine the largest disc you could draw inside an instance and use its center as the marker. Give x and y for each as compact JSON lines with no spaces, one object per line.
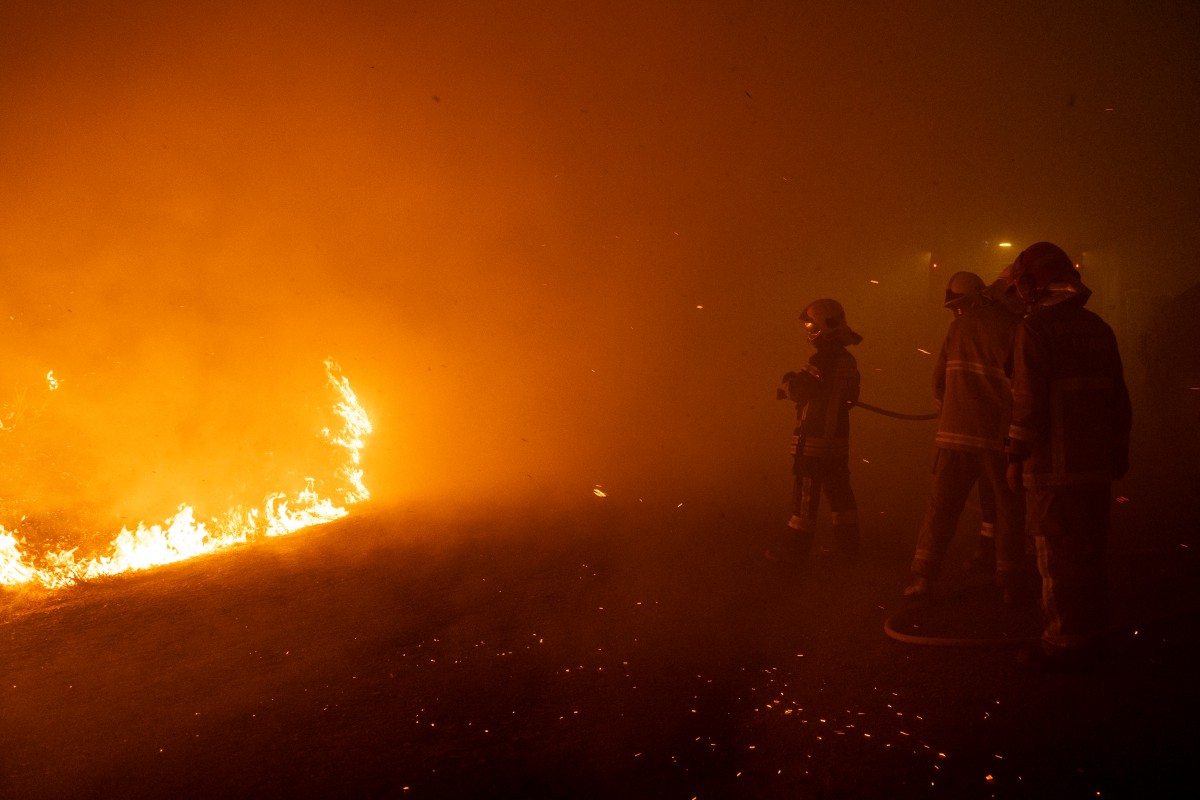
{"x":824,"y":391}
{"x":974,"y":400}
{"x":1068,"y":440}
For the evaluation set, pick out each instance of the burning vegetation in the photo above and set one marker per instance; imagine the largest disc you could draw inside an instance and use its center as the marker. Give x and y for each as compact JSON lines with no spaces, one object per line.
{"x":323,"y":498}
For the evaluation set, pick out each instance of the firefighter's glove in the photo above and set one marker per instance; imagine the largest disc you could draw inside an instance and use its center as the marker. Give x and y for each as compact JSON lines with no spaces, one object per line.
{"x":785,"y":386}
{"x":794,"y":382}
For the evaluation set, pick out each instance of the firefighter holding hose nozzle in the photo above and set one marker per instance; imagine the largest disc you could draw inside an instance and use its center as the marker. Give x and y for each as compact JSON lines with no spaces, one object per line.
{"x":824,"y":392}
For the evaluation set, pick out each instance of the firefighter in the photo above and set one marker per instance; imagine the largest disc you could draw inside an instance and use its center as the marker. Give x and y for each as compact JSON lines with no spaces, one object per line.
{"x":1069,"y":439}
{"x":824,"y":391}
{"x":974,"y":400}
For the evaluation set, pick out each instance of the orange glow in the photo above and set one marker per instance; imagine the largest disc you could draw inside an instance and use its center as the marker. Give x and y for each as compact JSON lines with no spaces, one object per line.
{"x":473,"y":200}
{"x":182,"y":536}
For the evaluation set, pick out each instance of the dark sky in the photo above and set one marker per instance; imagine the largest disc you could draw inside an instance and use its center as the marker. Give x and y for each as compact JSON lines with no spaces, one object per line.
{"x":552,"y":245}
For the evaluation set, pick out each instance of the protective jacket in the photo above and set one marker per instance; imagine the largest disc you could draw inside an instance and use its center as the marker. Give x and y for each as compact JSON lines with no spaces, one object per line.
{"x":970,"y":382}
{"x":823,"y":392}
{"x":1071,"y":410}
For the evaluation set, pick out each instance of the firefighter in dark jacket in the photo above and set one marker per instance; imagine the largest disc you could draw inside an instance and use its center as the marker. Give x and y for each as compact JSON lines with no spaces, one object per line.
{"x":1069,"y":439}
{"x":974,"y":400}
{"x":824,"y":391}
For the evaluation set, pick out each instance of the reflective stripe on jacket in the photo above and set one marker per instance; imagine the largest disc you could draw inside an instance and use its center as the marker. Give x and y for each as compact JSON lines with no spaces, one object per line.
{"x":970,"y":383}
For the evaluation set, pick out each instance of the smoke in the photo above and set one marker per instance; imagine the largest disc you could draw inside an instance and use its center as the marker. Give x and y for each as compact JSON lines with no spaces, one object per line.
{"x":552,"y":247}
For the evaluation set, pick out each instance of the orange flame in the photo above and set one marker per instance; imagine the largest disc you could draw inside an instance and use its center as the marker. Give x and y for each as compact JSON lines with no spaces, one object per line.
{"x":181,"y":537}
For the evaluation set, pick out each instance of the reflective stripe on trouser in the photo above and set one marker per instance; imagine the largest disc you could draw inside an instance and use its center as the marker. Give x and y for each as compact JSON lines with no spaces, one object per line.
{"x":806,"y":501}
{"x":1070,"y":528}
{"x":954,"y":473}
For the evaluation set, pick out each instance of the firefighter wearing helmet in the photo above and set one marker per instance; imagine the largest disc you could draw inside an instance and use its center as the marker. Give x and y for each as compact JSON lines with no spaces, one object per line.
{"x":823,"y":391}
{"x":1068,"y":440}
{"x":963,"y":291}
{"x":974,"y":401}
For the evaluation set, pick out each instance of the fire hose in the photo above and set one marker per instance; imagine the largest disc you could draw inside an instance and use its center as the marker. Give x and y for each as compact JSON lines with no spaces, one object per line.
{"x":892,"y":625}
{"x":782,"y":394}
{"x":892,"y":414}
{"x":810,"y":371}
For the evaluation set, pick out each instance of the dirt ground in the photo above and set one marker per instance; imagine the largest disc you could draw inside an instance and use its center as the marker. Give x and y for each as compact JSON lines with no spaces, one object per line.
{"x":606,"y":651}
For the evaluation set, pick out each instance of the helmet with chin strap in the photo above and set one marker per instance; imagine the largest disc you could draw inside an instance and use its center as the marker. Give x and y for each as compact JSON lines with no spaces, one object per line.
{"x":825,"y":321}
{"x":962,"y":290}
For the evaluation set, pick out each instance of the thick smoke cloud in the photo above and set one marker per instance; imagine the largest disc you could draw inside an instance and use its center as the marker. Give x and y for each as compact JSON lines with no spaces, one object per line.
{"x":552,"y":246}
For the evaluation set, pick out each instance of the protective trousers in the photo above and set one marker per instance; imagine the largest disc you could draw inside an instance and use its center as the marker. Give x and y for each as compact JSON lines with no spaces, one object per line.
{"x":955,"y":472}
{"x":832,"y":480}
{"x":1070,"y":527}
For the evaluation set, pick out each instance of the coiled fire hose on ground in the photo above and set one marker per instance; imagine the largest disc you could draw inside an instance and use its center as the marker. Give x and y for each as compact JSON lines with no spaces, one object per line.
{"x":890,"y":628}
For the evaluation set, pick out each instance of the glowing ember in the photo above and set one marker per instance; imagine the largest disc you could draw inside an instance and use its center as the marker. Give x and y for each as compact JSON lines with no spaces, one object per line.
{"x":182,"y":536}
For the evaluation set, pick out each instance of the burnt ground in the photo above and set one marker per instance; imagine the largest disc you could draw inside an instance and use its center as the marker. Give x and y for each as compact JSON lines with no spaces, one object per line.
{"x":609,"y":651}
